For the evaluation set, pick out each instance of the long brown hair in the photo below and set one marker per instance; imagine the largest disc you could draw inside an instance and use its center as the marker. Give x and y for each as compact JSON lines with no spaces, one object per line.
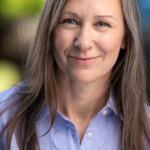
{"x":40,"y":88}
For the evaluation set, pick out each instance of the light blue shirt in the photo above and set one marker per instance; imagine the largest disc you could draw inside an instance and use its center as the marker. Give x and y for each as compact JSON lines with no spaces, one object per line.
{"x":103,"y":133}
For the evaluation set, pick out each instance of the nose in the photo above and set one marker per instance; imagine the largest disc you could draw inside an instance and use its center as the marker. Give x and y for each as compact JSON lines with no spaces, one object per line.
{"x":84,"y":39}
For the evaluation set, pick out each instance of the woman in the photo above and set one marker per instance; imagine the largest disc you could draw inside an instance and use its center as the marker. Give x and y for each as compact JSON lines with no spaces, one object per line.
{"x":84,"y":84}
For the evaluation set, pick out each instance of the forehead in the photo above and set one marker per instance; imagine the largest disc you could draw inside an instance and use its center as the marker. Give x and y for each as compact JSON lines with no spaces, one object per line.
{"x":93,"y":6}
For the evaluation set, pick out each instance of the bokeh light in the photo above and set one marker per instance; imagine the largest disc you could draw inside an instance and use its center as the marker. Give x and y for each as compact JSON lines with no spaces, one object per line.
{"x":10,"y":74}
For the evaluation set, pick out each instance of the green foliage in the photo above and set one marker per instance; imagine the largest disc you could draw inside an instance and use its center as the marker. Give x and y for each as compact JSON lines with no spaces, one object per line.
{"x":16,"y":9}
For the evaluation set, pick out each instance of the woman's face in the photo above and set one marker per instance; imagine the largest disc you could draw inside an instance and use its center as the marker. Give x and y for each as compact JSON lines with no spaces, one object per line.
{"x":88,"y":38}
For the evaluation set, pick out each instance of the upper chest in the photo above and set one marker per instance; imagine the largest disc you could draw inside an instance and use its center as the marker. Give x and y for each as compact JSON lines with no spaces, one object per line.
{"x":103,"y":133}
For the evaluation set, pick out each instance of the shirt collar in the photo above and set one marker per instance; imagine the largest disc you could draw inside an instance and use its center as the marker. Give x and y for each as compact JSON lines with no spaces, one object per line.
{"x":111,"y":106}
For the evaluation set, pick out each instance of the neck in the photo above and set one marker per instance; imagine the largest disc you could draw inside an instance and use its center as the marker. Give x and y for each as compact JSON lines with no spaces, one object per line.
{"x":80,"y":101}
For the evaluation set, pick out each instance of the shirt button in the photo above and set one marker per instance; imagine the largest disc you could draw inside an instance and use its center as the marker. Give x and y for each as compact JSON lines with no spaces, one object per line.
{"x":104,"y":112}
{"x":89,"y":134}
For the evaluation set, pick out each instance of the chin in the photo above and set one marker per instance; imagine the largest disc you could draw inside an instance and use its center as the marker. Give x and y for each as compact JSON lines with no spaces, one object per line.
{"x":83,"y":77}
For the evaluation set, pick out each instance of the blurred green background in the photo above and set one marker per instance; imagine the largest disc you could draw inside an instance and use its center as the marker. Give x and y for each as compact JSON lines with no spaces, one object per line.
{"x":18,"y":24}
{"x":17,"y":9}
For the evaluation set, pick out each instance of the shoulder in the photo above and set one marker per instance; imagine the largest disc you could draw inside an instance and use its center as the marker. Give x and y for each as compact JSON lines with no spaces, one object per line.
{"x":6,"y":94}
{"x":7,"y":98}
{"x":10,"y":92}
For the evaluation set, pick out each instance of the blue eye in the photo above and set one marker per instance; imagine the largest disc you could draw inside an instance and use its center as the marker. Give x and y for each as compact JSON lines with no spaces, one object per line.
{"x":101,"y":24}
{"x":70,"y":21}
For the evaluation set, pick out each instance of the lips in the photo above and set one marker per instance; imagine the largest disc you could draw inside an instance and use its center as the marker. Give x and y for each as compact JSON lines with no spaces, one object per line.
{"x":83,"y":60}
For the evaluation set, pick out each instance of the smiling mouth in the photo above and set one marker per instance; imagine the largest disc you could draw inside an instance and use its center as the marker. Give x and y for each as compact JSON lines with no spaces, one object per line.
{"x":84,"y":61}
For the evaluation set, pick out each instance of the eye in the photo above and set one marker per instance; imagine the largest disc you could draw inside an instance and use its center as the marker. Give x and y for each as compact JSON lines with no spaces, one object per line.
{"x":70,"y":21}
{"x":101,"y":24}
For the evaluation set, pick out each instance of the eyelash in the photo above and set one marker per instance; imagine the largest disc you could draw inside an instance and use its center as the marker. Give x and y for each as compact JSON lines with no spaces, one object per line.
{"x":67,"y":20}
{"x":103,"y":24}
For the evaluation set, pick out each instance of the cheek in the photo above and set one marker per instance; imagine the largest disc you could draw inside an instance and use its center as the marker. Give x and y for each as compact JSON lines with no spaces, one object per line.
{"x":62,"y":42}
{"x":62,"y":39}
{"x":58,"y":46}
{"x":110,"y":43}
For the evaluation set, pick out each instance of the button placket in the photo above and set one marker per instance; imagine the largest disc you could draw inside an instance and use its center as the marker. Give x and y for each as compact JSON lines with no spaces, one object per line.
{"x":95,"y":130}
{"x":89,"y":134}
{"x":71,"y":132}
{"x":104,"y":113}
{"x":72,"y":136}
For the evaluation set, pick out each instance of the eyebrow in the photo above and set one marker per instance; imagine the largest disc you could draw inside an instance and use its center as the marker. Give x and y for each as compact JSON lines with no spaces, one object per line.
{"x":104,"y":16}
{"x":97,"y":16}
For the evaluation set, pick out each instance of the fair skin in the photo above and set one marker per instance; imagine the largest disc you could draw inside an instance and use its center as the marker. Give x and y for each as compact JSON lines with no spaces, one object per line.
{"x":87,"y":41}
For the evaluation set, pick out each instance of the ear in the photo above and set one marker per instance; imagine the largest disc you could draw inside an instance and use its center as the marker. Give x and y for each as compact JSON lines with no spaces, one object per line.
{"x":124,"y":43}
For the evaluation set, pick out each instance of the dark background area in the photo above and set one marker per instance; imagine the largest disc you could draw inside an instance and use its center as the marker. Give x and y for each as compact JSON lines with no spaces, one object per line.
{"x":18,"y":24}
{"x":144,"y":8}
